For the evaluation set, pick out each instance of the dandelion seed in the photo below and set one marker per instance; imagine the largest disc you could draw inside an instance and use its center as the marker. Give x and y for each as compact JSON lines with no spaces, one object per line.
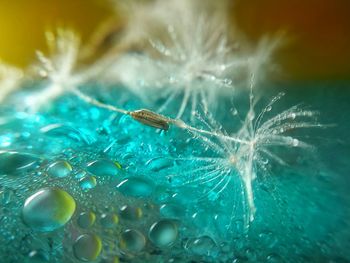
{"x":251,"y":148}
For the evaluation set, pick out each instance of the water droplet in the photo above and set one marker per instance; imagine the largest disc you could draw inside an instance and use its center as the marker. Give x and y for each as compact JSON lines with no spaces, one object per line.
{"x":234,"y":111}
{"x":201,"y":246}
{"x":269,"y":108}
{"x":104,"y":167}
{"x":87,"y":182}
{"x":86,"y":219}
{"x":295,"y":142}
{"x":172,"y":211}
{"x":13,"y":162}
{"x":59,"y":169}
{"x":130,"y":213}
{"x":132,"y":241}
{"x":136,"y":186}
{"x":48,"y":209}
{"x":109,"y":220}
{"x":87,"y":247}
{"x":37,"y":256}
{"x":274,"y":258}
{"x":159,"y":163}
{"x":163,"y":233}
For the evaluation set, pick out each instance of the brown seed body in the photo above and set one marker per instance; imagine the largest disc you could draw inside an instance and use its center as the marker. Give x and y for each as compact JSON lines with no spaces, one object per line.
{"x":151,"y":118}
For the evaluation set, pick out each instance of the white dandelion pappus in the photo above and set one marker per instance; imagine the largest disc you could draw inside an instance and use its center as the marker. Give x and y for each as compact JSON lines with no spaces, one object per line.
{"x":245,"y":152}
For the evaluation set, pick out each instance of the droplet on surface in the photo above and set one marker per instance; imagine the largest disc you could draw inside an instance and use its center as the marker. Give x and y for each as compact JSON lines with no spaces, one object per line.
{"x":132,"y":241}
{"x":88,"y":182}
{"x":130,"y":213}
{"x":201,"y":246}
{"x":87,"y":247}
{"x":14,"y":162}
{"x":104,"y":167}
{"x":86,"y":219}
{"x":109,"y":220}
{"x":48,"y":209}
{"x":295,"y":142}
{"x":59,"y":169}
{"x":159,"y":163}
{"x":163,"y":233}
{"x":172,"y":211}
{"x":37,"y":256}
{"x":136,"y":186}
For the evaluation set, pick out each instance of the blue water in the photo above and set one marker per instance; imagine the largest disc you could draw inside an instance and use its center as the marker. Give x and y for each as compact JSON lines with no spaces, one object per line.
{"x":131,"y":203}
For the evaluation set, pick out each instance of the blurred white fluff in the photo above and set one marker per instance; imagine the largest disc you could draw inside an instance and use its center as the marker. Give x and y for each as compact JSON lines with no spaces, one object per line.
{"x":192,"y":55}
{"x":10,"y":80}
{"x":57,"y":68}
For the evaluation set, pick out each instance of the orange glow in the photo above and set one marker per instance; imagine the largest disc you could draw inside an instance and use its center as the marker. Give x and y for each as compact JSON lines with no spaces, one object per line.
{"x":318,"y":30}
{"x":23,"y":23}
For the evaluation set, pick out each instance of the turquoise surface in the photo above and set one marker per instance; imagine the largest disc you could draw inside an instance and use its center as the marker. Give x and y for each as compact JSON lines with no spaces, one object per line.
{"x":106,"y":161}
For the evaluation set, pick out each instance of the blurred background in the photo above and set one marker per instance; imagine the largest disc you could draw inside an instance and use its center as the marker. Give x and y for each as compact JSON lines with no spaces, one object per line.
{"x":318,"y":45}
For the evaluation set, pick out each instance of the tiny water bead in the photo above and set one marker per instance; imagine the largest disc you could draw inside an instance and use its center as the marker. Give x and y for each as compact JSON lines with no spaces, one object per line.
{"x":59,"y":169}
{"x":130,"y":213}
{"x":88,"y":182}
{"x":48,"y":209}
{"x":104,"y":167}
{"x":86,"y":219}
{"x":13,"y":162}
{"x":87,"y":247}
{"x":132,"y":241}
{"x":136,"y":186}
{"x":163,"y":233}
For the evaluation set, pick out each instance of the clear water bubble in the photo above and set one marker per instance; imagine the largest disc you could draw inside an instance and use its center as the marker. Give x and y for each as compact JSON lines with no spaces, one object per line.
{"x":172,"y":211}
{"x":295,"y":142}
{"x":48,"y":209}
{"x":87,"y":247}
{"x":204,"y":245}
{"x":130,"y":213}
{"x":37,"y":256}
{"x":159,"y":163}
{"x":109,"y":220}
{"x":59,"y":169}
{"x":86,"y":219}
{"x":87,"y":182}
{"x":136,"y":186}
{"x":163,"y":233}
{"x":13,"y":162}
{"x":104,"y":167}
{"x":132,"y":241}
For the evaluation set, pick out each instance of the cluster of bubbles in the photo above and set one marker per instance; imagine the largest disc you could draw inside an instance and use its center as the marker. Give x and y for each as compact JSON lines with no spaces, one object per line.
{"x":84,"y":185}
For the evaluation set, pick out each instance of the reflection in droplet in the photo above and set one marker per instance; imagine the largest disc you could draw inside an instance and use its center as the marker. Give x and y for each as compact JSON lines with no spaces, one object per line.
{"x":88,"y":182}
{"x":109,"y":220}
{"x":13,"y":162}
{"x":201,"y":246}
{"x":130,"y":213}
{"x":104,"y":167}
{"x":136,"y":186}
{"x":48,"y":209}
{"x":59,"y":169}
{"x":87,"y":247}
{"x":132,"y":241}
{"x":163,"y":233}
{"x":86,"y":219}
